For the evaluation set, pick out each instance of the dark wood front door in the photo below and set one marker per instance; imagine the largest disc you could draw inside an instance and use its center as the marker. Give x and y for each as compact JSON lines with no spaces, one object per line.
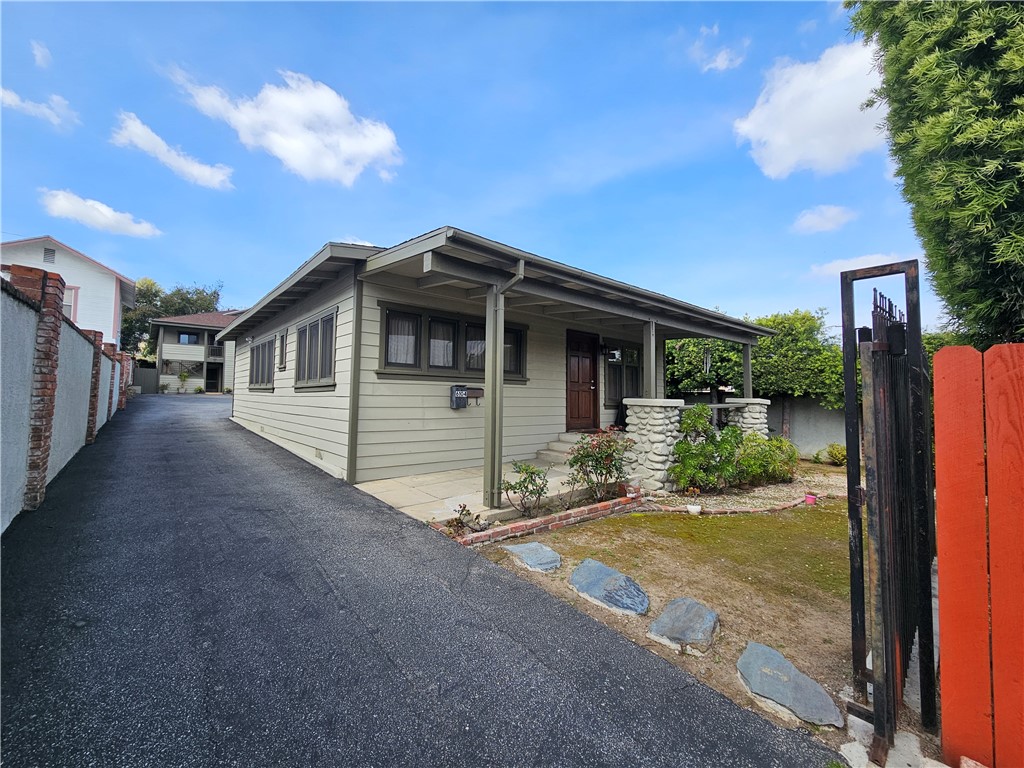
{"x":581,"y":411}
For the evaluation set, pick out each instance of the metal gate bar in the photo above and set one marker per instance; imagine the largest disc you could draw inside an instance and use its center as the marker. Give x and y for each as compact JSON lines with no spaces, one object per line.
{"x":897,"y":499}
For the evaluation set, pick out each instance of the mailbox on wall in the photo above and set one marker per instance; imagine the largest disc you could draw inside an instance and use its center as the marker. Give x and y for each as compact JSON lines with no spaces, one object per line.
{"x":461,"y":395}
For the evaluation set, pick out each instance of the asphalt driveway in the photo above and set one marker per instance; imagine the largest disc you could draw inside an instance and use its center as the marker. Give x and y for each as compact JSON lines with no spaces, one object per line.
{"x":190,"y":594}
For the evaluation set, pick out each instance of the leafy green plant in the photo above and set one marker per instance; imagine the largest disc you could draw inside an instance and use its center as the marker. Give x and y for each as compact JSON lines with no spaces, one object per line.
{"x":762,"y":460}
{"x":836,"y":454}
{"x":163,"y":389}
{"x":704,"y":457}
{"x":529,"y":489}
{"x":228,"y":390}
{"x":599,"y":460}
{"x":818,"y":457}
{"x":199,"y":390}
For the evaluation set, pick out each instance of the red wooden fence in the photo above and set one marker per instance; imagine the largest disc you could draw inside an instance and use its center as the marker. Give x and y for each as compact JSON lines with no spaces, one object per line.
{"x":979,"y":488}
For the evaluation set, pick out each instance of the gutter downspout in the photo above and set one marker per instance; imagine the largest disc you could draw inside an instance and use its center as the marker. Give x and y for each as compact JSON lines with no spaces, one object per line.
{"x":355,"y":371}
{"x":494,"y":385}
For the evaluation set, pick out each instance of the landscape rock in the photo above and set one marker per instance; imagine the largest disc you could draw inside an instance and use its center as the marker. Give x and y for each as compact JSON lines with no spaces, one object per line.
{"x":685,"y":625}
{"x":768,"y":673}
{"x":608,"y":588}
{"x":535,"y":556}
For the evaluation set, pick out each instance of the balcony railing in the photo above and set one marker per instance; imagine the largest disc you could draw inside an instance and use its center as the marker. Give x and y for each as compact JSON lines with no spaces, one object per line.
{"x":215,"y":352}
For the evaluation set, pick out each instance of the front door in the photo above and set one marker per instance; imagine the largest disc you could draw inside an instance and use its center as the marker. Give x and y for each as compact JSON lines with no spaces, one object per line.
{"x":581,"y":382}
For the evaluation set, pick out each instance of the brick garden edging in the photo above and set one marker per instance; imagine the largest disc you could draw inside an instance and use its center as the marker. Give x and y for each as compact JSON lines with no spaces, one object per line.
{"x":546,"y":523}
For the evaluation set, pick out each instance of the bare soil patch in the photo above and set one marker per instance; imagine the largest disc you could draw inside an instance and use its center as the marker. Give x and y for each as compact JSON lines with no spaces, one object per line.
{"x":781,"y":579}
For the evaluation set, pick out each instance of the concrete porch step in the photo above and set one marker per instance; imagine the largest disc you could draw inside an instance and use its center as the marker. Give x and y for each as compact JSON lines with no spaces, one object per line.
{"x":554,"y":458}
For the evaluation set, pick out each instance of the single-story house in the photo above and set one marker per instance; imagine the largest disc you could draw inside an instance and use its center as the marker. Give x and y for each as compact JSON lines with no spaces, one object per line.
{"x":374,"y":363}
{"x":187,"y":343}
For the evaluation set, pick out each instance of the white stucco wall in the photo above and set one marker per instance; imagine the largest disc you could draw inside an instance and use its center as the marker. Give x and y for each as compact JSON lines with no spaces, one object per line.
{"x":101,"y":407}
{"x":17,"y":349}
{"x":811,"y":427}
{"x":71,"y":405}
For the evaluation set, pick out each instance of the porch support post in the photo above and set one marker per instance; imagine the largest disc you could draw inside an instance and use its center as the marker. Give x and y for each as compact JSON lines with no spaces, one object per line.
{"x":494,"y":375}
{"x":650,"y":360}
{"x":748,"y":377}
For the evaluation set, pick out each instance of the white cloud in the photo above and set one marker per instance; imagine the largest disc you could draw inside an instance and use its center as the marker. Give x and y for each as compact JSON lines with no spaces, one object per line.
{"x":64,"y":204}
{"x":305,"y":124}
{"x":808,"y":115}
{"x":704,"y":53}
{"x":822,"y":218}
{"x":41,"y":54}
{"x":356,"y":241}
{"x":56,"y":111}
{"x":132,"y":132}
{"x":833,"y":268}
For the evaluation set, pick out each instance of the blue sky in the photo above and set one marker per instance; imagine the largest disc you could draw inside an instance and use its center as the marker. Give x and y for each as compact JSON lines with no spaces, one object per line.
{"x":714,"y":152}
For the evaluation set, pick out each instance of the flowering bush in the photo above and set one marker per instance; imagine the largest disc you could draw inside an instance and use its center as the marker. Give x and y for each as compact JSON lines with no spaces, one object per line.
{"x":525,"y":493}
{"x":598,"y":460}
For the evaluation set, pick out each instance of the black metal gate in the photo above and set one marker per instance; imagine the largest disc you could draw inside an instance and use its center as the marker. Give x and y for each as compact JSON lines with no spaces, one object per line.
{"x":890,"y":569}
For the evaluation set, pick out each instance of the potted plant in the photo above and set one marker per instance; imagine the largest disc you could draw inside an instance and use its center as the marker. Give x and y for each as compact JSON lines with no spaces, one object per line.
{"x":163,"y":389}
{"x":691,"y":500}
{"x":182,"y":377}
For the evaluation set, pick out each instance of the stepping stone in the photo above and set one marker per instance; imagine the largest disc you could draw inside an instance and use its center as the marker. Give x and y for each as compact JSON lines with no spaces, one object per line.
{"x":535,"y":556}
{"x":608,"y":588}
{"x":768,"y":673}
{"x":685,"y":625}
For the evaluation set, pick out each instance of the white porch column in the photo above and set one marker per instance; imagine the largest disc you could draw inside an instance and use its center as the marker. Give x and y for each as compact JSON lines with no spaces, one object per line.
{"x":650,"y":361}
{"x":494,"y":380}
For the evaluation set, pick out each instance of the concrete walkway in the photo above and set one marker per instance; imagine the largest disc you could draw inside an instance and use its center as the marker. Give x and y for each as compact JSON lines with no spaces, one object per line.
{"x":192,"y":595}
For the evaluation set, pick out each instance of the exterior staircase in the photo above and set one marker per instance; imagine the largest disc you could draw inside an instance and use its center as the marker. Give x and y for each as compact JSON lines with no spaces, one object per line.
{"x":557,"y":452}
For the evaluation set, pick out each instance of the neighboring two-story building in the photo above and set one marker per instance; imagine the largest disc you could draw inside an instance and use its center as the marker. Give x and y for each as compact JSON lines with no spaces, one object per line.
{"x":187,"y":343}
{"x":94,"y":296}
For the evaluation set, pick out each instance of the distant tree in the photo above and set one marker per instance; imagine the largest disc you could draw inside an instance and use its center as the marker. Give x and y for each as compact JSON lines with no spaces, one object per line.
{"x":135,"y":321}
{"x":190,"y":301}
{"x":692,"y":365}
{"x":802,"y":360}
{"x":953,"y":81}
{"x":151,"y":302}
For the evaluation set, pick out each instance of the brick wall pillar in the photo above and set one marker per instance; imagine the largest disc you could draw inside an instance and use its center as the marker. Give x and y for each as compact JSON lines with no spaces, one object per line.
{"x":94,"y":386}
{"x":48,"y":289}
{"x":110,"y":350}
{"x":126,"y":372}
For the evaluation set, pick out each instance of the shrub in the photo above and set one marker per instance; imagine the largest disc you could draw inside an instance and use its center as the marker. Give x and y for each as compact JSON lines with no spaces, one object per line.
{"x":836,"y":454}
{"x":704,"y":457}
{"x":199,"y":390}
{"x":530,"y":487}
{"x":228,"y":390}
{"x":163,"y":389}
{"x":598,"y":460}
{"x":761,"y":460}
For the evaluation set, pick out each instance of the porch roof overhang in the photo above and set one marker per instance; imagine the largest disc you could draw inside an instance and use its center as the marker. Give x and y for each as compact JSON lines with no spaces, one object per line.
{"x":326,"y":265}
{"x":458,"y":264}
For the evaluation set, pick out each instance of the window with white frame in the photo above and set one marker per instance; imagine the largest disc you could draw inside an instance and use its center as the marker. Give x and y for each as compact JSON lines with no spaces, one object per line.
{"x":261,"y":364}
{"x":431,"y":343}
{"x":314,"y":351}
{"x":70,"y":302}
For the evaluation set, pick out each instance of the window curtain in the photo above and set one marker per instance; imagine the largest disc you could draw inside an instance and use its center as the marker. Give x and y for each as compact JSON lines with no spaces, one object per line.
{"x":442,"y":344}
{"x":475,"y":343}
{"x":401,"y":339}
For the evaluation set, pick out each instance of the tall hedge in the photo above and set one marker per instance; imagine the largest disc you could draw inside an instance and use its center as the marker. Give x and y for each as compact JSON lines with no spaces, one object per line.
{"x":953,"y":81}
